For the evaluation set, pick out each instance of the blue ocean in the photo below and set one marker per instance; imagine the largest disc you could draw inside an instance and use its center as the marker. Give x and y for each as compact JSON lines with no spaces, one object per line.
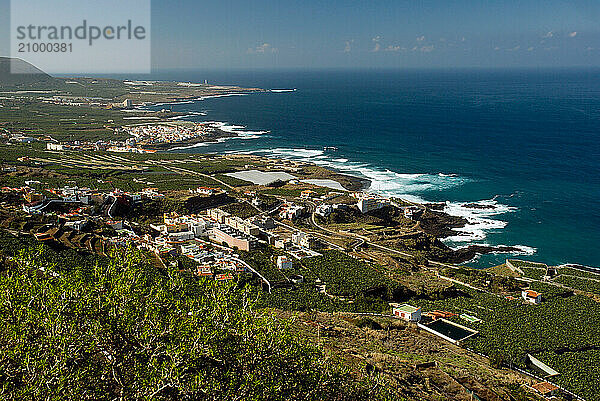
{"x":521,"y":145}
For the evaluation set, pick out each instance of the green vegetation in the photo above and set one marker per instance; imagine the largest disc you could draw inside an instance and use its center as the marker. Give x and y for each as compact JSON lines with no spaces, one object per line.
{"x":61,"y":122}
{"x":526,"y":263}
{"x":350,"y":285}
{"x":578,"y":283}
{"x":304,"y":298}
{"x":510,"y":329}
{"x":483,"y":279}
{"x":345,"y":276}
{"x":283,"y":191}
{"x":532,"y":270}
{"x":241,"y":209}
{"x":579,"y":273}
{"x":123,"y":329}
{"x":576,"y":368}
{"x":534,"y":273}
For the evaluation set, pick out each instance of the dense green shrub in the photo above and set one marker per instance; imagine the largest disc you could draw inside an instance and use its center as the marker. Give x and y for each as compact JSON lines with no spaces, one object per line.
{"x":122,"y":329}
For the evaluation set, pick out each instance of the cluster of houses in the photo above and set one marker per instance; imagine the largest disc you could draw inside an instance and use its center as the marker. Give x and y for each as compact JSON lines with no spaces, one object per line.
{"x":291,"y":211}
{"x":162,"y":133}
{"x":36,"y":201}
{"x":20,"y":138}
{"x":76,"y":101}
{"x":220,"y":264}
{"x":206,"y":191}
{"x":324,"y":210}
{"x":127,"y":146}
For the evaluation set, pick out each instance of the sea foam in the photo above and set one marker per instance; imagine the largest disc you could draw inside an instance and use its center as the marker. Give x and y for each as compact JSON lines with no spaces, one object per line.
{"x":481,"y":215}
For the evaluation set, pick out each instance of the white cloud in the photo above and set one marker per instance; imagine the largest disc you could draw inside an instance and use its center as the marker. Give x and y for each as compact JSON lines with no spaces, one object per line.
{"x":572,"y":34}
{"x":548,"y":35}
{"x":513,"y":49}
{"x":348,"y":46}
{"x":265,"y":48}
{"x":421,"y":38}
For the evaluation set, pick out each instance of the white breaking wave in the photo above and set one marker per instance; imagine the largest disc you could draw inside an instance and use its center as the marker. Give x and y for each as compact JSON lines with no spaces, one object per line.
{"x":216,"y":96}
{"x":189,"y":114}
{"x":175,"y":102}
{"x":199,"y":99}
{"x":384,"y":182}
{"x":410,"y":187}
{"x":235,"y":129}
{"x":478,"y":216}
{"x":196,"y":145}
{"x":282,"y":90}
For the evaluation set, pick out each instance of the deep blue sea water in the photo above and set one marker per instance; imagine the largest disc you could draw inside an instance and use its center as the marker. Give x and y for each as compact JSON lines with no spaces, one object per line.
{"x":522,"y":143}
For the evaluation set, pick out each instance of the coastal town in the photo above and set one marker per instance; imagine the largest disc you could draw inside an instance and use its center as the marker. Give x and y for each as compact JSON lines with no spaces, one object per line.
{"x":261,"y":207}
{"x":146,"y":138}
{"x":305,"y":240}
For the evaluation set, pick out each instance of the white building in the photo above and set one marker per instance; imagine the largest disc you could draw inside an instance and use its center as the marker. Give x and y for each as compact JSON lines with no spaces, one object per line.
{"x":218,"y":215}
{"x":77,"y":225}
{"x":283,"y":262}
{"x":324,"y":210}
{"x":136,"y":197}
{"x":303,"y":240}
{"x":189,"y":249}
{"x":245,"y":226}
{"x":206,"y":191}
{"x":291,"y":211}
{"x":407,"y":312}
{"x":532,"y":296}
{"x":366,"y":205}
{"x":180,"y":236}
{"x":54,"y":146}
{"x":198,"y":227}
{"x":411,"y":212}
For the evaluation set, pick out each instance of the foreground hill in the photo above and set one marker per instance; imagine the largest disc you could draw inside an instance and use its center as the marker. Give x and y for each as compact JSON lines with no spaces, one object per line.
{"x":92,"y":328}
{"x":81,"y":326}
{"x":22,"y":74}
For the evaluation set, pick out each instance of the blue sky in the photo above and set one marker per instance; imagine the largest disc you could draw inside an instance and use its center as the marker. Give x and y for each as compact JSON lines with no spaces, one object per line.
{"x":369,"y":34}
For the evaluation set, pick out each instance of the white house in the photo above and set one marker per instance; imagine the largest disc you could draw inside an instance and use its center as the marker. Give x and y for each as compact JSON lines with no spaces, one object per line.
{"x":407,"y":312}
{"x":532,"y":296}
{"x":324,"y":210}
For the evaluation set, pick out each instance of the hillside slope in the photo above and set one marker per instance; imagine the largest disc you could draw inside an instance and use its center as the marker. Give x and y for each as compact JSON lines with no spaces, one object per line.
{"x":15,"y":73}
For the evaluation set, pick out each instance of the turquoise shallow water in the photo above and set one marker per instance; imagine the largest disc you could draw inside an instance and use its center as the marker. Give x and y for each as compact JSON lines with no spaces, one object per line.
{"x":522,"y":144}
